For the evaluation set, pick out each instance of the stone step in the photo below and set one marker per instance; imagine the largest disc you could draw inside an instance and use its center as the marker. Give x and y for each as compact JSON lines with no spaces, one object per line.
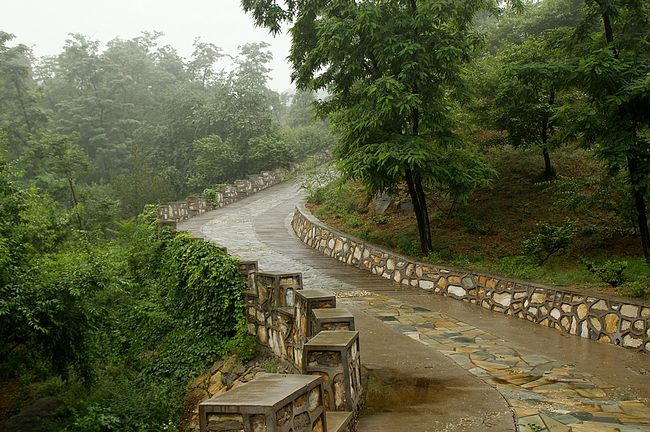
{"x":270,"y":402}
{"x":335,"y":356}
{"x":339,"y":421}
{"x":331,"y":319}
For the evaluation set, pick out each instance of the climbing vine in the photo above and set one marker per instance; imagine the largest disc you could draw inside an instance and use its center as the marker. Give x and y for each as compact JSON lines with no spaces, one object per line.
{"x":205,"y":288}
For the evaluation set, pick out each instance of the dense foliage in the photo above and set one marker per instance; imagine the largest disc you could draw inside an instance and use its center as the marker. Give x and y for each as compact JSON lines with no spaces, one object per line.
{"x":115,"y":328}
{"x":114,"y":316}
{"x":108,"y":130}
{"x":412,"y":83}
{"x":576,"y":230}
{"x":392,"y":69}
{"x":567,"y":71}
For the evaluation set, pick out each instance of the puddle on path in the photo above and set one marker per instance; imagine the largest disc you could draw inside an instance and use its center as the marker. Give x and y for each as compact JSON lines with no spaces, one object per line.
{"x":390,"y":390}
{"x":396,"y":401}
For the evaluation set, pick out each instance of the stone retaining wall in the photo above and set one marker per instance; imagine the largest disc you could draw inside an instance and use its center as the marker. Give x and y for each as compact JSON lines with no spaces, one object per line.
{"x":608,"y":320}
{"x":195,"y":205}
{"x":279,"y":313}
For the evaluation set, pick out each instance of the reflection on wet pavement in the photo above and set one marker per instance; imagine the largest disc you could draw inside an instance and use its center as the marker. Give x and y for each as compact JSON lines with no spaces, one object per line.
{"x":545,"y":394}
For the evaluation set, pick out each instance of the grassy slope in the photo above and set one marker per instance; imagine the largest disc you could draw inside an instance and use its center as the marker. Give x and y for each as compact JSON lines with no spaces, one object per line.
{"x":488,"y":232}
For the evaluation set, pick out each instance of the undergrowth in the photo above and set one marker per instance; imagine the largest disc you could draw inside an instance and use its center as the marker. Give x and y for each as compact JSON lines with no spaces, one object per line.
{"x":166,"y":309}
{"x":522,"y":227}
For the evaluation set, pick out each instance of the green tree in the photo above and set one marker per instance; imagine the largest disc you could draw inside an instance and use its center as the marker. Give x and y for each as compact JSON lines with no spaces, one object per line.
{"x":215,"y":161}
{"x":268,"y":152}
{"x":20,"y":113}
{"x":141,"y":186}
{"x":391,"y":68}
{"x":532,"y":19}
{"x":40,"y":290}
{"x":612,"y":67}
{"x":520,"y":93}
{"x":309,"y":139}
{"x":301,"y":111}
{"x":202,"y":65}
{"x":55,"y":163}
{"x":246,"y":110}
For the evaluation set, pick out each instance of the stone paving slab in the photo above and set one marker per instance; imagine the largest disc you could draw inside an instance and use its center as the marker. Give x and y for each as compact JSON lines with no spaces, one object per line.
{"x":545,"y":394}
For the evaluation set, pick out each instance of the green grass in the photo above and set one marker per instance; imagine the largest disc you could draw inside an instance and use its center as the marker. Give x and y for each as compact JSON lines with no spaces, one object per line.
{"x":488,"y":234}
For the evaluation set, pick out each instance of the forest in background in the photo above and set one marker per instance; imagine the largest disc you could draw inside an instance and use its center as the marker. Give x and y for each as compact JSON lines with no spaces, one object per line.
{"x":104,"y":317}
{"x":106,"y":131}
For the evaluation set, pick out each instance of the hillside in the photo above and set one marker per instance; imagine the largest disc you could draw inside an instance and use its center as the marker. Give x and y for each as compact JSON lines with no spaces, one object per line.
{"x":488,"y":232}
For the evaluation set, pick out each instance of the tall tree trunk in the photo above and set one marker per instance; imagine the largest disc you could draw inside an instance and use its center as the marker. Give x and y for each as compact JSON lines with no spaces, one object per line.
{"x":637,"y":179}
{"x":549,"y":172}
{"x":414,"y":181}
{"x":638,"y":193}
{"x":426,"y":224}
{"x":416,"y":193}
{"x":73,"y":195}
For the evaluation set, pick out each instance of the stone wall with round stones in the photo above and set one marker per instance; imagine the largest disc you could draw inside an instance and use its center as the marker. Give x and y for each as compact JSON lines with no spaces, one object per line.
{"x":616,"y":321}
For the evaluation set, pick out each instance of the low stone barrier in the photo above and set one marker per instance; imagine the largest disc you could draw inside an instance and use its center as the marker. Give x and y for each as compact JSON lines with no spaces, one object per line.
{"x":323,"y":393}
{"x":608,"y":320}
{"x":195,"y":205}
{"x":269,"y":403}
{"x":315,"y":397}
{"x":283,"y":323}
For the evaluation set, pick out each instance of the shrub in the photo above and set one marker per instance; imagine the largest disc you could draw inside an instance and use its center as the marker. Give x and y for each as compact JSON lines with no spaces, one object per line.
{"x":382,"y":219}
{"x":476,"y":227}
{"x":549,"y":240}
{"x":213,"y":194}
{"x":635,"y":289}
{"x":408,"y":245}
{"x":352,"y":220}
{"x":317,"y":196}
{"x":610,"y":271}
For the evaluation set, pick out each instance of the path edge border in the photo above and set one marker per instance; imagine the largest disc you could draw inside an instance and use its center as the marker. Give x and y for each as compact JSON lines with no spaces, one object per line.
{"x":605,"y":319}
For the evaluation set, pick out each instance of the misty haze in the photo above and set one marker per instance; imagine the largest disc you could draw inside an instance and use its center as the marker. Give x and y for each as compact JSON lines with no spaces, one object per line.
{"x":324,"y":216}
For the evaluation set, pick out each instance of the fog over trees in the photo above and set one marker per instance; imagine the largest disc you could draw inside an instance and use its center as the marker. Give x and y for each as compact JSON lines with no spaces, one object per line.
{"x":475,"y":117}
{"x":135,"y":123}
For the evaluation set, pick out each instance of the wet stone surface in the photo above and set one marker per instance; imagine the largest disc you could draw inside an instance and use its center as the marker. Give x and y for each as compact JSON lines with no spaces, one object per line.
{"x":545,"y":394}
{"x":542,"y":391}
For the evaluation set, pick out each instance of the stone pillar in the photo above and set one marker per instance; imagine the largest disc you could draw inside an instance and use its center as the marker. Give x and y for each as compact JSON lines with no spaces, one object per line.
{"x":248,"y":269}
{"x":334,"y":355}
{"x":281,"y":333}
{"x":278,"y":289}
{"x":331,"y":319}
{"x":309,"y":300}
{"x":269,"y":403}
{"x":306,"y":301}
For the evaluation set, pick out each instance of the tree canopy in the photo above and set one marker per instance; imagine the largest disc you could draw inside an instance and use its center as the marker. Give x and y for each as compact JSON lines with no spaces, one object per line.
{"x":391,"y":69}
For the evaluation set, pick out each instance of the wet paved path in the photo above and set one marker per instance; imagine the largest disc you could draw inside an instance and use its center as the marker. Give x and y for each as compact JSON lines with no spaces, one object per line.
{"x":437,"y":364}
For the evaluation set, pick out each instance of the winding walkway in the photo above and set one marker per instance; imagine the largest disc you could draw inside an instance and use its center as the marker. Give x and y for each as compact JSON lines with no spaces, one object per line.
{"x":436,"y":364}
